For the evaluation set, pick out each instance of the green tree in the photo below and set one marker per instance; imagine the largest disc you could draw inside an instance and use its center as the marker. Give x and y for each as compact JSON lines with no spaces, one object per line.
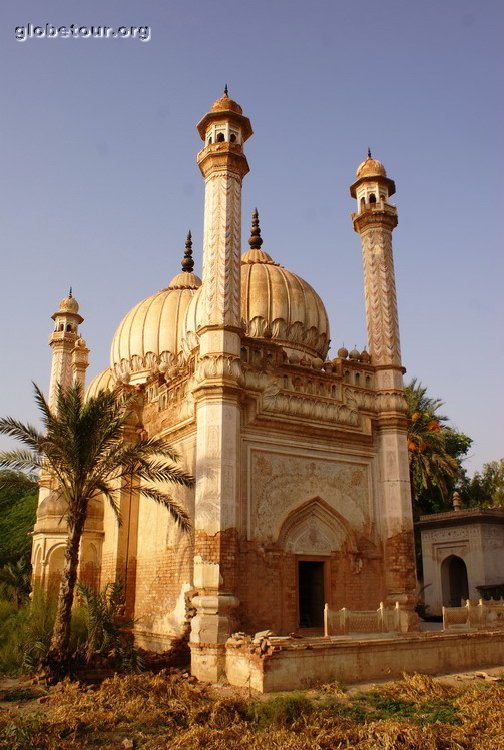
{"x":83,"y":447}
{"x":486,"y":487}
{"x":18,"y":503}
{"x":435,"y":451}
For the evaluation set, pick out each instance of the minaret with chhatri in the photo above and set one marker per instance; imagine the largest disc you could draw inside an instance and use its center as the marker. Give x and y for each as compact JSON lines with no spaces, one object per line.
{"x":375,"y":221}
{"x":224,"y":130}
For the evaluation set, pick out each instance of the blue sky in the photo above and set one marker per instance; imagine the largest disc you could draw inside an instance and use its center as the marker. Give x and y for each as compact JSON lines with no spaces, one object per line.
{"x":99,"y":183}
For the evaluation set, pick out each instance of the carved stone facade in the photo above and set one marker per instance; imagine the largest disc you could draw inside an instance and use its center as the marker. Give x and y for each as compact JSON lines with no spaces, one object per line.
{"x":301,"y":495}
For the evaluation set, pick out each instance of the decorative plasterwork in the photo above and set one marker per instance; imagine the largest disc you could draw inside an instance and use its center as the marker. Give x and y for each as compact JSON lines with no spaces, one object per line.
{"x":280,"y":484}
{"x":315,"y":528}
{"x":218,"y":367}
{"x":221,"y":250}
{"x":380,"y":295}
{"x":276,"y":400}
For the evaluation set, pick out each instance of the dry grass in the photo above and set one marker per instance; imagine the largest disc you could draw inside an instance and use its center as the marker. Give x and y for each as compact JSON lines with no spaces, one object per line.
{"x":166,"y":711}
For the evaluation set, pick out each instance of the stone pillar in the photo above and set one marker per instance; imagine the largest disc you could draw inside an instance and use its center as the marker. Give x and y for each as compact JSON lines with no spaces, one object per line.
{"x":218,"y":380}
{"x":375,"y":221}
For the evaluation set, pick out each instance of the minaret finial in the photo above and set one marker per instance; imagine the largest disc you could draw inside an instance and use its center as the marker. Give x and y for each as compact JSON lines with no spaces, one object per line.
{"x":255,"y":240}
{"x":225,"y":89}
{"x":70,"y":292}
{"x":187,"y":261}
{"x":369,"y":153}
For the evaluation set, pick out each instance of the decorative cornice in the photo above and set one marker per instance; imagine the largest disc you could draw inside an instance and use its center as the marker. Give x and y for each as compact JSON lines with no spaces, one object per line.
{"x":222,"y":158}
{"x":219,"y":367}
{"x":378,"y":214}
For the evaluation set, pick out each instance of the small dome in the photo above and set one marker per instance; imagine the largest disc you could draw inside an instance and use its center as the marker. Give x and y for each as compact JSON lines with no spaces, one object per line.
{"x":51,"y":515}
{"x":225,"y":104}
{"x":69,"y":305}
{"x":151,"y":333}
{"x":371,"y":168}
{"x":52,"y":505}
{"x":355,"y":354}
{"x":342,"y":352}
{"x":275,"y":304}
{"x":365,"y":356}
{"x":104,"y":381}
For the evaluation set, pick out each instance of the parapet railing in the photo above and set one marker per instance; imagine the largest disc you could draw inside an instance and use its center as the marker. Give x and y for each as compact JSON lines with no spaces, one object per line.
{"x":344,"y":621}
{"x":485,"y":614}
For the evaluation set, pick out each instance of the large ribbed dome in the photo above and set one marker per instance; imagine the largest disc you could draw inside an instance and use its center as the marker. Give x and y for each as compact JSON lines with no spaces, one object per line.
{"x":275,"y":304}
{"x":149,"y":337}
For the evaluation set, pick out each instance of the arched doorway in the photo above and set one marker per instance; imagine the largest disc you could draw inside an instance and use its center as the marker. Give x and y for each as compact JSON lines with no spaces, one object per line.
{"x":454,"y":581}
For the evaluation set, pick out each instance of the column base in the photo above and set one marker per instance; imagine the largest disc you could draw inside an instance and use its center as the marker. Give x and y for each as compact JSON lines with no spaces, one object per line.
{"x":210,"y":628}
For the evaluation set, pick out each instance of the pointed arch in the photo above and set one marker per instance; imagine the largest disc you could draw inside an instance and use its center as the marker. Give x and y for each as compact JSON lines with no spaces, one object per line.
{"x":316,"y":528}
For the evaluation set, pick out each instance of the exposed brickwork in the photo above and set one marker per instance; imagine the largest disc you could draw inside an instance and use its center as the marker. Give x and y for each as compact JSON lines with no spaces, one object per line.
{"x":268,"y":588}
{"x":400,"y":563}
{"x":222,"y":548}
{"x":159,"y":581}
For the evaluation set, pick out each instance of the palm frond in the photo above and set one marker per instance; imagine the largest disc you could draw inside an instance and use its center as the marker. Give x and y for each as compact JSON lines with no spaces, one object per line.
{"x":25,"y":433}
{"x":102,"y":488}
{"x":20,"y":460}
{"x":176,"y":511}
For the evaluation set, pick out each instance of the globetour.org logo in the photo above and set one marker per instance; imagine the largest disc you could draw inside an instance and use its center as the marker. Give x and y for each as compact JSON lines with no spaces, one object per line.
{"x":75,"y":31}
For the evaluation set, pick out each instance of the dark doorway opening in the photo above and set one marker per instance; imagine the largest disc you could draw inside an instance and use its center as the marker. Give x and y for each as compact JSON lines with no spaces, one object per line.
{"x":311,"y":593}
{"x":454,"y":581}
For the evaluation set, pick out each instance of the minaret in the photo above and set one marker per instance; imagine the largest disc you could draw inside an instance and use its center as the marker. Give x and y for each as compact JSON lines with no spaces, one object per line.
{"x":69,"y":362}
{"x":62,"y":341}
{"x":218,"y":375}
{"x":375,"y":221}
{"x":223,"y":165}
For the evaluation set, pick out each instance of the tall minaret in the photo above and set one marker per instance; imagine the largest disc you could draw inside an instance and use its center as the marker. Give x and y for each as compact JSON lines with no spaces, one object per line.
{"x":223,"y":165}
{"x":62,"y":341}
{"x":69,"y":363}
{"x":218,"y":375}
{"x":375,"y":221}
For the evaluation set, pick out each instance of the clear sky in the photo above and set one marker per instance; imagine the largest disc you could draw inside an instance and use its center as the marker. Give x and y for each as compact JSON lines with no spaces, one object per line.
{"x":99,"y":184}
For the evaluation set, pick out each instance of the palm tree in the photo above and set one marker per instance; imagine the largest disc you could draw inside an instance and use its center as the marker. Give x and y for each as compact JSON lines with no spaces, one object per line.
{"x":434,"y":449}
{"x":83,"y":447}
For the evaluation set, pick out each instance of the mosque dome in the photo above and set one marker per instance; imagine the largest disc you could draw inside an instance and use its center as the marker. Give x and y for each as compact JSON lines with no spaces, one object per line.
{"x":149,"y":337}
{"x":275,"y":304}
{"x":104,"y":381}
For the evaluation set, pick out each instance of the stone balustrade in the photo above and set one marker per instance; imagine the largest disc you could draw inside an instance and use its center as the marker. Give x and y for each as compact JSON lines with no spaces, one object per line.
{"x":485,"y":614}
{"x":345,"y":621}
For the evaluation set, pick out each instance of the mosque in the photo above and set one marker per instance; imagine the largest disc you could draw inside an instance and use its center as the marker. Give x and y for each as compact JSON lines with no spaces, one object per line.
{"x":302,"y":493}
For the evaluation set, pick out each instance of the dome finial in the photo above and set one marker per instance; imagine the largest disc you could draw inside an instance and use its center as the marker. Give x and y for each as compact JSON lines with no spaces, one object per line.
{"x":225,"y":89}
{"x":187,"y":261}
{"x":255,"y":240}
{"x":70,"y":292}
{"x":369,"y":153}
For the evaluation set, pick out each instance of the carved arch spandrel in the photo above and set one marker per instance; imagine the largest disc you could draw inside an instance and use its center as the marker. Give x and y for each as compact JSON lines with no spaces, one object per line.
{"x":316,"y":528}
